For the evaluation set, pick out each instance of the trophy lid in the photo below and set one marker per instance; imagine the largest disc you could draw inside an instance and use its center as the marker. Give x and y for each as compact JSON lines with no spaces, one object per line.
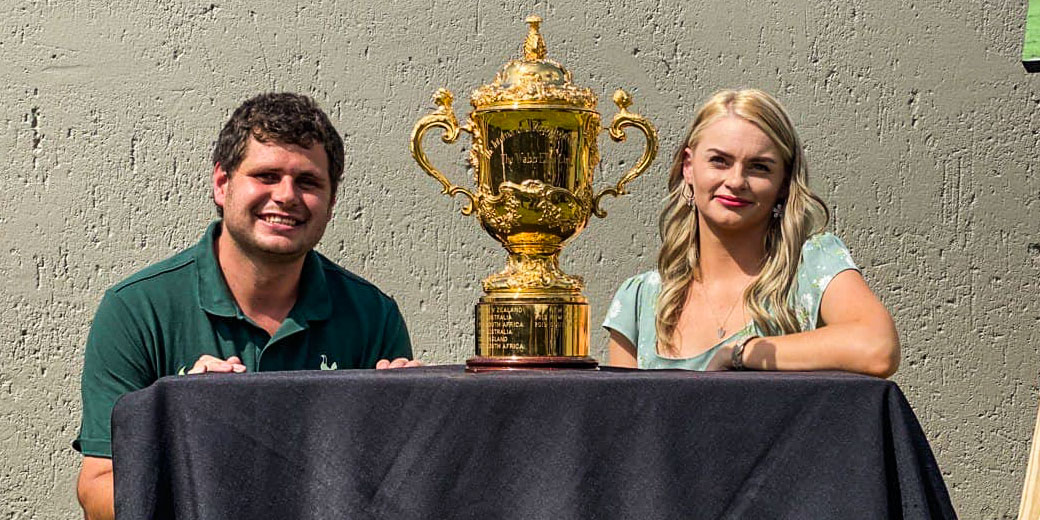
{"x":533,"y":80}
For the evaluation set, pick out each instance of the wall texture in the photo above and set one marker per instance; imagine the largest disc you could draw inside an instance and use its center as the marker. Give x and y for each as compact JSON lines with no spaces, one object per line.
{"x":921,"y":126}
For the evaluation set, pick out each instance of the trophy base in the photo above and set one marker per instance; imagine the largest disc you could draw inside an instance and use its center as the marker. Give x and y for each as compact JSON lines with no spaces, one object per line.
{"x":516,"y":331}
{"x":494,"y":364}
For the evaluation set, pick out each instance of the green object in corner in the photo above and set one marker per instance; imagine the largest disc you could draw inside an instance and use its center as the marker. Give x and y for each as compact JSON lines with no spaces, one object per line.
{"x":1031,"y":47}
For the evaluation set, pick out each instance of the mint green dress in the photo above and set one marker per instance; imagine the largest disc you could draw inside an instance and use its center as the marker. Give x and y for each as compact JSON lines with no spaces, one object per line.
{"x":632,"y":313}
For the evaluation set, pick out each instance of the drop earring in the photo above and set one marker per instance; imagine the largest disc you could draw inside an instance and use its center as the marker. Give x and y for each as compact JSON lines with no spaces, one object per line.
{"x":778,"y":210}
{"x":687,"y":194}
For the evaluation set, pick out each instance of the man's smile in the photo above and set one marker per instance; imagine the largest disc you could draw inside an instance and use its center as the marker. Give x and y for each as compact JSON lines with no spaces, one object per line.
{"x":281,"y":220}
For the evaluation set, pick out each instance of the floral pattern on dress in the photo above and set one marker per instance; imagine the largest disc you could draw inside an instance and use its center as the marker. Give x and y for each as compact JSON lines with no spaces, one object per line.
{"x":615,"y":309}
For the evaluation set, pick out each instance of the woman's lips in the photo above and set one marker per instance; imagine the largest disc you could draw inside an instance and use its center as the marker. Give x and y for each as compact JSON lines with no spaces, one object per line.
{"x":732,"y":202}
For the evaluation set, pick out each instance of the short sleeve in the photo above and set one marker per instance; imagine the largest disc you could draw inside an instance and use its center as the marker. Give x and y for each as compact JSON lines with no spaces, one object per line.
{"x":823,"y":257}
{"x":116,"y":362}
{"x":396,"y":343}
{"x":623,"y":313}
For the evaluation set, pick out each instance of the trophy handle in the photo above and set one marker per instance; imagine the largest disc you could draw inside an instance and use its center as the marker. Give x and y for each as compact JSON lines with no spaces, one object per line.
{"x":443,"y":117}
{"x":622,"y":119}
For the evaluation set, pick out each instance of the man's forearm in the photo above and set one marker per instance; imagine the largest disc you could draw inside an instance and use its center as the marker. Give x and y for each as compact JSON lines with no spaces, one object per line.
{"x":94,"y":489}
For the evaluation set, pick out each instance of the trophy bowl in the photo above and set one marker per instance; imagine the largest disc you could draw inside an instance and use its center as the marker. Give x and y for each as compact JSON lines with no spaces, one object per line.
{"x":534,"y":154}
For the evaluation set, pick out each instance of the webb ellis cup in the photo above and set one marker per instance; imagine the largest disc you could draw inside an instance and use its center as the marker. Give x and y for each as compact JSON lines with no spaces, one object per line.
{"x":533,"y":156}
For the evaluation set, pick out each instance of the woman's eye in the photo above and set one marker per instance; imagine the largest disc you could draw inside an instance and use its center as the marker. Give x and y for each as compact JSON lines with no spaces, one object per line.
{"x":717,"y":160}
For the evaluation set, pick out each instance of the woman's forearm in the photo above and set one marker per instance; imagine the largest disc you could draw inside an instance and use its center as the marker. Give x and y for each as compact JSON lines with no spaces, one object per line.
{"x":866,"y":347}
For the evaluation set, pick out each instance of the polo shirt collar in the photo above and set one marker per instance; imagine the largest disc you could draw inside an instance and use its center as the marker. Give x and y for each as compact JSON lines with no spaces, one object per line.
{"x":312,"y":301}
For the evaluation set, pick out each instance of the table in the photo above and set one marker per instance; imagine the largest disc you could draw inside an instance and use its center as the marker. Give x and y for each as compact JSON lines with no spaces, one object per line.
{"x":436,"y":442}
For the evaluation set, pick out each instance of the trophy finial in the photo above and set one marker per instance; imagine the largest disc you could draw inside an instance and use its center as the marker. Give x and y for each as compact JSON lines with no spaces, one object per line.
{"x":533,"y":79}
{"x":534,"y":45}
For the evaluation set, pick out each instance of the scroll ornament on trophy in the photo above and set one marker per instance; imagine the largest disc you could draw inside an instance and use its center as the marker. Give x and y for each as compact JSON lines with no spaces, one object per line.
{"x":533,"y":156}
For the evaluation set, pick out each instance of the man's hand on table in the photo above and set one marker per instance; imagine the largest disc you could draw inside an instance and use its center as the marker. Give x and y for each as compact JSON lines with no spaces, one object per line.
{"x":398,"y":363}
{"x":208,"y":363}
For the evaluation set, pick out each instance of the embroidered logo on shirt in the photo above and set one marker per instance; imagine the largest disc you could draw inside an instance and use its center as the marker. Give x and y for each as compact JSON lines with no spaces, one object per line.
{"x":325,"y":365}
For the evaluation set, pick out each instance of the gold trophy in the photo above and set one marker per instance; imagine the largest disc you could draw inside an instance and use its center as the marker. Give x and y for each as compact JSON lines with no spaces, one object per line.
{"x":533,"y":156}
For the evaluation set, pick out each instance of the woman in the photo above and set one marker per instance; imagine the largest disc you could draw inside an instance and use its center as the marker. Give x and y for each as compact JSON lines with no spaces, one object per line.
{"x":746,"y":277}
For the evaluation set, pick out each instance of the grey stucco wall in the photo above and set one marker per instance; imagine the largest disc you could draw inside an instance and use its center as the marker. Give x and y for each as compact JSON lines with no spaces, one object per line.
{"x":921,"y":127}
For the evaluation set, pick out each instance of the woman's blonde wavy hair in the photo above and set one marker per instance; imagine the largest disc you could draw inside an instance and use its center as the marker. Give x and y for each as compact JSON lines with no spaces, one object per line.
{"x":804,"y":214}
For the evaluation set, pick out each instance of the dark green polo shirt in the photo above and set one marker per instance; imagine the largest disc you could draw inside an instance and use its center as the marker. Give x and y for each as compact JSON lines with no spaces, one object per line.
{"x":161,"y":320}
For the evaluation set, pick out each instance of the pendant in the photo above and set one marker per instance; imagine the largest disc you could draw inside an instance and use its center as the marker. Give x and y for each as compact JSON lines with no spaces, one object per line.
{"x":722,"y":332}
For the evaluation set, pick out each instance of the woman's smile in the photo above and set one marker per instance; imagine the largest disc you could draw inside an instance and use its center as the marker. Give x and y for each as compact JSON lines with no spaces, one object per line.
{"x":732,"y":202}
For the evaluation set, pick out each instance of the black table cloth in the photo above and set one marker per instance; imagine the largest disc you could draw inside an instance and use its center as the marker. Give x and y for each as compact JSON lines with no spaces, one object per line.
{"x":437,"y":442}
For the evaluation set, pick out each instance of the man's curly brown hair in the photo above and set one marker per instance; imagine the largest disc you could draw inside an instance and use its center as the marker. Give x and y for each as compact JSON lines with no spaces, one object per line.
{"x":282,"y":117}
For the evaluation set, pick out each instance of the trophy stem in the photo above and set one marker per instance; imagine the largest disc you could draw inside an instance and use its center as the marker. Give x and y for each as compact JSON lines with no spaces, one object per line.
{"x":533,"y":274}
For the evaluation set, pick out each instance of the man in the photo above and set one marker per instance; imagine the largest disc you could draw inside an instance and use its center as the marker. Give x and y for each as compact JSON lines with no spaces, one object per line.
{"x":252,"y":295}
